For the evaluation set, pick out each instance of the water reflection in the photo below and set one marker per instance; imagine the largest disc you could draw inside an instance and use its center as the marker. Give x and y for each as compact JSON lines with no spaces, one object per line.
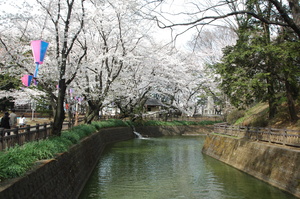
{"x":170,"y":167}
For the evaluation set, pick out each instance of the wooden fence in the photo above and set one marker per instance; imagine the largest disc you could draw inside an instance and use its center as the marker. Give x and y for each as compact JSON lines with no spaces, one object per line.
{"x":20,"y":135}
{"x":271,"y":135}
{"x":11,"y":137}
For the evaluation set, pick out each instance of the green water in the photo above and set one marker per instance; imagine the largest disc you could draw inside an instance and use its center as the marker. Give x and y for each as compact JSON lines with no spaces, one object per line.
{"x":170,"y":167}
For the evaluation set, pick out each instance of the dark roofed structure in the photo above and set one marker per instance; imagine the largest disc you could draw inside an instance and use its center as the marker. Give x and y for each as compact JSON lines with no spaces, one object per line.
{"x":153,"y":104}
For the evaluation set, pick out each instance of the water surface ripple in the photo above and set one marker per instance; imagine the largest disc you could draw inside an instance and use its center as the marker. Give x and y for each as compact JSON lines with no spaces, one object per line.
{"x":170,"y":167}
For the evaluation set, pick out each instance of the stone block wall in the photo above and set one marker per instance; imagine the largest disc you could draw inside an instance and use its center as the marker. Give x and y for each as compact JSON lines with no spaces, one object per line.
{"x":157,"y":131}
{"x":275,"y":164}
{"x":64,"y":176}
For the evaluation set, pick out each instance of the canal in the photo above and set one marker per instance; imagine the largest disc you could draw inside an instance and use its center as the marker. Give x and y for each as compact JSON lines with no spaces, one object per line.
{"x":170,"y":167}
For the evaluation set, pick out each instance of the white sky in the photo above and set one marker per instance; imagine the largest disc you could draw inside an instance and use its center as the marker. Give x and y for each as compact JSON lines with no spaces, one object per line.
{"x":178,"y":11}
{"x":169,"y":7}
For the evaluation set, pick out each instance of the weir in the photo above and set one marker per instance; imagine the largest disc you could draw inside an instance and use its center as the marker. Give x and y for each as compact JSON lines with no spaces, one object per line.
{"x":138,"y":135}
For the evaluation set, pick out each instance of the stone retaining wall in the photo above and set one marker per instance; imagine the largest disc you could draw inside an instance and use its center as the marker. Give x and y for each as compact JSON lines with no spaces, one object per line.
{"x":64,"y":176}
{"x":277,"y":165}
{"x":156,"y":131}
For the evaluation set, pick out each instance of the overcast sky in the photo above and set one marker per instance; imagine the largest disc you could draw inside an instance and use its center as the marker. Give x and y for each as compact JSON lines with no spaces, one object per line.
{"x":174,"y":11}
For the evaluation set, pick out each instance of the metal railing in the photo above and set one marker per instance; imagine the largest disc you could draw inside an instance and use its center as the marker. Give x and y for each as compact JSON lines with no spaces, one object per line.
{"x":271,"y":135}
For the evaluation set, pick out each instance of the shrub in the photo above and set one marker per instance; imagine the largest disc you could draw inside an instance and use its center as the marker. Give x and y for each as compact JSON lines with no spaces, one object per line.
{"x":61,"y":144}
{"x":109,"y":123}
{"x":72,"y":136}
{"x":233,"y":116}
{"x":259,"y":121}
{"x":16,"y":161}
{"x":84,"y":130}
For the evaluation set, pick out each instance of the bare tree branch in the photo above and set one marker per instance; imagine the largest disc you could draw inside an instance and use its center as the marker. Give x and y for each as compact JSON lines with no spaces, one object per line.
{"x":201,"y":21}
{"x":288,"y":15}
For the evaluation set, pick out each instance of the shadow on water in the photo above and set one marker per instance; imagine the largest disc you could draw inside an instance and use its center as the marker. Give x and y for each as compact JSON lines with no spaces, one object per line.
{"x":170,"y":167}
{"x":240,"y":184}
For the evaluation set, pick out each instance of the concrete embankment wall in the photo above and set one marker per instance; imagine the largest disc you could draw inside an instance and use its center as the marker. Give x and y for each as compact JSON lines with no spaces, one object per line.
{"x":276,"y":165}
{"x":64,"y":176}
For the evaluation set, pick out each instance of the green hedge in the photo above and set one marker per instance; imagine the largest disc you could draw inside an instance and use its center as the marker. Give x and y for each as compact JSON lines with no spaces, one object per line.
{"x":15,"y":161}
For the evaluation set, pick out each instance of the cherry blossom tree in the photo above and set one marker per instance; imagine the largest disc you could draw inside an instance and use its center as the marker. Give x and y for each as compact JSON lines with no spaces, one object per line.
{"x":208,"y":46}
{"x":103,"y":50}
{"x":114,"y":35}
{"x":60,"y":23}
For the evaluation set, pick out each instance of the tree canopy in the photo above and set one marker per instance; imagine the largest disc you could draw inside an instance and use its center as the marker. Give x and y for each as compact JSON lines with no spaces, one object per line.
{"x":105,"y":53}
{"x":264,"y":63}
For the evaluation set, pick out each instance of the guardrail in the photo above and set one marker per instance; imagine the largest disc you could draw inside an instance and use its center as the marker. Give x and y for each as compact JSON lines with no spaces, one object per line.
{"x":20,"y":135}
{"x":271,"y":135}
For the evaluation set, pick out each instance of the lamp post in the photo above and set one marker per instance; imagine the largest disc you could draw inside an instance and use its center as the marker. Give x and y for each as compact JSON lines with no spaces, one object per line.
{"x":33,"y":107}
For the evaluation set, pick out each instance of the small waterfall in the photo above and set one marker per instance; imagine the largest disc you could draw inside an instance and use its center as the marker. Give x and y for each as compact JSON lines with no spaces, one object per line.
{"x":138,"y":135}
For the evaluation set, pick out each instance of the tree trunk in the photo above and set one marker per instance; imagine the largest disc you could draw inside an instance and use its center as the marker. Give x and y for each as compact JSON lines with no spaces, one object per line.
{"x":290,"y":101}
{"x":59,"y":112}
{"x":90,"y":117}
{"x":271,"y":99}
{"x":70,"y":118}
{"x":94,"y":108}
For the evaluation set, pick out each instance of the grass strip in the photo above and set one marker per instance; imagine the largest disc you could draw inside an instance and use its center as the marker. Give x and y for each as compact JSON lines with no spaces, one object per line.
{"x":15,"y":161}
